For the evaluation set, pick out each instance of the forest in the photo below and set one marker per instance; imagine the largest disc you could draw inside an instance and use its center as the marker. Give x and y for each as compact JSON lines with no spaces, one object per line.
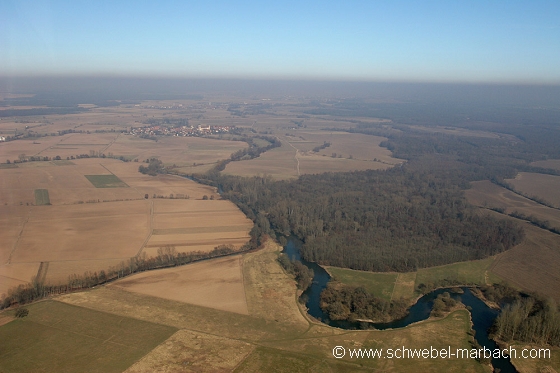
{"x":392,"y":220}
{"x":529,"y":319}
{"x":409,"y":217}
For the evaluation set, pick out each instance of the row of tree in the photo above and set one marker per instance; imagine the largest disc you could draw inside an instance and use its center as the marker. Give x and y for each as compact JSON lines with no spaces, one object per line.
{"x":302,"y":274}
{"x":167,"y":257}
{"x":253,"y":151}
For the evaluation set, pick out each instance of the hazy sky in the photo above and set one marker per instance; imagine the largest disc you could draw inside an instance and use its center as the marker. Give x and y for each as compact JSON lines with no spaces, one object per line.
{"x":464,"y":40}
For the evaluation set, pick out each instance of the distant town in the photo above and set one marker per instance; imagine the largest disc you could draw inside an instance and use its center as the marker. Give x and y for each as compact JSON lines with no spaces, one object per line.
{"x":184,"y":131}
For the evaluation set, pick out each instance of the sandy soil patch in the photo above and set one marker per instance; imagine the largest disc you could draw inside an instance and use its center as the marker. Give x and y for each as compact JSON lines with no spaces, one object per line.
{"x":216,"y":283}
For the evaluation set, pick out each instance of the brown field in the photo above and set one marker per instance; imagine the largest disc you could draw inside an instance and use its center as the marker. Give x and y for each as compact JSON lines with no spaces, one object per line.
{"x":214,"y":283}
{"x":91,"y":229}
{"x":295,"y":156}
{"x":67,"y":183}
{"x":57,"y":233}
{"x":487,"y":194}
{"x":549,"y":163}
{"x":280,"y":163}
{"x":16,"y":274}
{"x":58,"y":272}
{"x":196,"y":225}
{"x":533,"y":264}
{"x":182,"y":151}
{"x":546,"y":187}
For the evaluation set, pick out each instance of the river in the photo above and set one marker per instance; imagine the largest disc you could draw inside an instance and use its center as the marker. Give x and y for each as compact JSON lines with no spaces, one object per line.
{"x":482,"y":316}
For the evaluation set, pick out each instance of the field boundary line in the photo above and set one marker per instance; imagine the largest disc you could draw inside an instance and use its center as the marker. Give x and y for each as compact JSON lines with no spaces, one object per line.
{"x":520,"y":194}
{"x":19,"y":237}
{"x":241,"y":269}
{"x":394,"y":286}
{"x":295,"y":156}
{"x":102,"y":165}
{"x":151,"y":225}
{"x":110,"y":143}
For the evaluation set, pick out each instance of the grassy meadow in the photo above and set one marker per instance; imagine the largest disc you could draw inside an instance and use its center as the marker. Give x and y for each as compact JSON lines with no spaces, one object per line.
{"x":59,"y":337}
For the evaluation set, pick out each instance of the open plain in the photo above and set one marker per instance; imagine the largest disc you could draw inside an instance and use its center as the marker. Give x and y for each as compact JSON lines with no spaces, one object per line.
{"x":81,"y":204}
{"x":195,"y":338}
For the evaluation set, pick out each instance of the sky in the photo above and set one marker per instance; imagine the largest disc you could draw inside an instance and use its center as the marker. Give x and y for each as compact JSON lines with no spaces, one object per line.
{"x":418,"y":41}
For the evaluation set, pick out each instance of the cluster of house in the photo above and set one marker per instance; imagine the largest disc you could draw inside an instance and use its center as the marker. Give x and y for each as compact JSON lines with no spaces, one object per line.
{"x":158,"y":130}
{"x":173,"y":106}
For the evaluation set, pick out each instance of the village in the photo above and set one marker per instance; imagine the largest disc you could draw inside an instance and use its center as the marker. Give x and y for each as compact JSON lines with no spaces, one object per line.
{"x":184,"y":131}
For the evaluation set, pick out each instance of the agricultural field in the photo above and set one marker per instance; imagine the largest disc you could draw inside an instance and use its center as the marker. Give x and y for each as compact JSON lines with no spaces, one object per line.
{"x":216,"y":284}
{"x":54,"y":213}
{"x":106,"y":181}
{"x":489,"y":195}
{"x":347,"y":152}
{"x":392,"y":286}
{"x":544,"y":187}
{"x":533,"y":264}
{"x":196,"y":225}
{"x":549,"y":163}
{"x":202,"y":339}
{"x":53,"y":331}
{"x":380,"y":284}
{"x":42,"y":197}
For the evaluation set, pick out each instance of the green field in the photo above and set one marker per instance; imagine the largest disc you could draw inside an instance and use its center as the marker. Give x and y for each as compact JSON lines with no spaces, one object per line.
{"x":58,"y":337}
{"x":106,"y":181}
{"x":313,"y":352}
{"x":42,"y":197}
{"x":472,"y":272}
{"x":390,"y":285}
{"x":377,"y":283}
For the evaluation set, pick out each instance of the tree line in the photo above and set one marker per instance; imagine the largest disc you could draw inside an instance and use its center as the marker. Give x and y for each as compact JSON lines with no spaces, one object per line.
{"x":302,"y":274}
{"x":167,"y":257}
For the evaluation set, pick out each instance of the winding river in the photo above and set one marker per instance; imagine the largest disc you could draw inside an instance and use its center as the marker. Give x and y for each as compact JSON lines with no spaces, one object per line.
{"x":482,"y":316}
